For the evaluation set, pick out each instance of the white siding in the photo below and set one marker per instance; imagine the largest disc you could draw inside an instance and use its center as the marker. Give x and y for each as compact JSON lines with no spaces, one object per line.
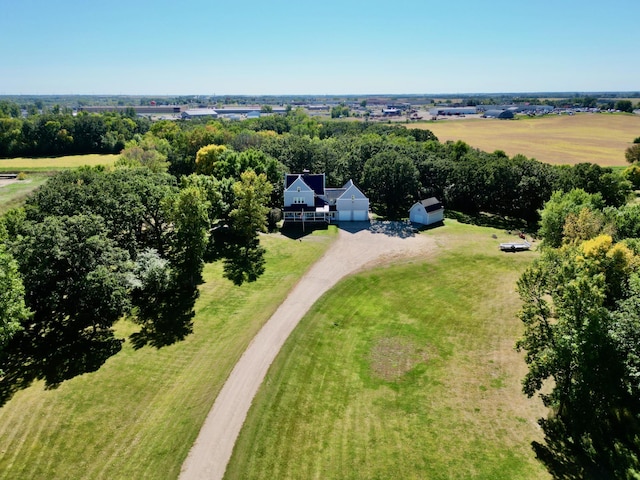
{"x":299,"y":192}
{"x":352,"y":205}
{"x":434,"y":217}
{"x":418,"y":214}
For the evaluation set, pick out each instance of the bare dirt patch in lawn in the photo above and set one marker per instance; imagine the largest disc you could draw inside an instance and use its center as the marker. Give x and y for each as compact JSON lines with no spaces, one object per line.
{"x":392,"y":357}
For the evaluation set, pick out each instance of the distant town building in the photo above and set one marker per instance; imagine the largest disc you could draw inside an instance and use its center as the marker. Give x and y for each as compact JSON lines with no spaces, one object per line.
{"x":199,"y":113}
{"x":447,"y":111}
{"x":501,"y":114}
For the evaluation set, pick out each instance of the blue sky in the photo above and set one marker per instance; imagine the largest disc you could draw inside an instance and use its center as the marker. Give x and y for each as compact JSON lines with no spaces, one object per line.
{"x":329,"y":47}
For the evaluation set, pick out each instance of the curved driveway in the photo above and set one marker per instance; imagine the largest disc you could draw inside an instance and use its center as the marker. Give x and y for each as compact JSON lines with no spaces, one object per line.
{"x":358,"y":246}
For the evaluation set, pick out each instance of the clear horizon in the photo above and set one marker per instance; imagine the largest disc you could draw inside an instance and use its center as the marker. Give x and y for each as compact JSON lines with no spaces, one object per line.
{"x":632,"y":93}
{"x":166,"y":48}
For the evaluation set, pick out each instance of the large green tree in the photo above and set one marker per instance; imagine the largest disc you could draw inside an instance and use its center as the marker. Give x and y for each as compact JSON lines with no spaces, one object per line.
{"x":76,"y":284}
{"x":624,"y":106}
{"x":391,"y":183}
{"x":559,"y":207}
{"x":581,"y":358}
{"x":13,"y":312}
{"x":632,"y":154}
{"x":245,"y":258}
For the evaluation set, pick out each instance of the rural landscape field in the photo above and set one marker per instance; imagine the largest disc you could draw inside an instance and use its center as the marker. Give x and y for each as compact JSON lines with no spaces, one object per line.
{"x":335,"y":240}
{"x":557,"y":139}
{"x":446,"y":376}
{"x":406,"y":368}
{"x":138,"y":416}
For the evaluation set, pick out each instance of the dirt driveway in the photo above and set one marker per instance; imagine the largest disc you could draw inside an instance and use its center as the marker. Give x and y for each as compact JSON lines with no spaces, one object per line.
{"x":7,"y":181}
{"x":358,"y":246}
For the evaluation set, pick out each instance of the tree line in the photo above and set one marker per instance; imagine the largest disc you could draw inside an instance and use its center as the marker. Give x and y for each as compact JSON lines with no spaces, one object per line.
{"x":93,"y":245}
{"x":393,"y":165}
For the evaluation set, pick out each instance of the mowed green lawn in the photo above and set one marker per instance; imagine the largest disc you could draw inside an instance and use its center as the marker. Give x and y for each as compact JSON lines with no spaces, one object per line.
{"x":21,"y":164}
{"x":38,"y":171}
{"x":404,"y":372}
{"x":557,"y":139}
{"x":138,"y":416}
{"x":14,"y":194}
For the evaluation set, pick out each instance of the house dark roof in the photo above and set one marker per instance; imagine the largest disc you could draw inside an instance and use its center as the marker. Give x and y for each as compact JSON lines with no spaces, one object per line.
{"x":332,"y":194}
{"x":315,"y":181}
{"x":431,"y":204}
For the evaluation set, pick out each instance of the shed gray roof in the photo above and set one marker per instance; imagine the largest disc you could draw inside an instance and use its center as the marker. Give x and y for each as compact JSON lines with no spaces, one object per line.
{"x":431,"y":204}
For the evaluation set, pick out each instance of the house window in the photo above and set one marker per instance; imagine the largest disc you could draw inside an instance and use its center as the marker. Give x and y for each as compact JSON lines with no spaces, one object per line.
{"x":353,"y":197}
{"x":298,"y":189}
{"x":298,"y":200}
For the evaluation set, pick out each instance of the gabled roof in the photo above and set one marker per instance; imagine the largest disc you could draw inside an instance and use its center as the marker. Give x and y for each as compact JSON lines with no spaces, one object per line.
{"x":431,"y":204}
{"x":350,"y":189}
{"x":297,"y":183}
{"x":314,"y":181}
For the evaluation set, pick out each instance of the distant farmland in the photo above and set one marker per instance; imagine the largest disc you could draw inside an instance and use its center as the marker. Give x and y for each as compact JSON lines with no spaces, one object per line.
{"x":596,"y":138}
{"x":23,"y":164}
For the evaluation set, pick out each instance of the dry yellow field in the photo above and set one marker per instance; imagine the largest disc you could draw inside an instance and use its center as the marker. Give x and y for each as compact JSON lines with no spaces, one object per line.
{"x":596,"y":138}
{"x":57,"y":163}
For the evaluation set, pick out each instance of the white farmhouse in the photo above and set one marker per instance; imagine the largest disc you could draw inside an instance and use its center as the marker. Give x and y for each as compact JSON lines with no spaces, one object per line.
{"x":307,"y":199}
{"x":427,"y":212}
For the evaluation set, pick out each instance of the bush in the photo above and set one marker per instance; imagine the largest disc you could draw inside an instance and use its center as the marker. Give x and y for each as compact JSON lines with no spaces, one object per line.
{"x":275,"y":215}
{"x":632,"y":174}
{"x":22,"y":176}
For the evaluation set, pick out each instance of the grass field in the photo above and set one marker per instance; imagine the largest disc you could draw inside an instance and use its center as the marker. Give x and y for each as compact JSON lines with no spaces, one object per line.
{"x":403,"y":372}
{"x":138,"y":416}
{"x":13,"y":194}
{"x":47,"y":164}
{"x":596,"y":138}
{"x":38,"y":171}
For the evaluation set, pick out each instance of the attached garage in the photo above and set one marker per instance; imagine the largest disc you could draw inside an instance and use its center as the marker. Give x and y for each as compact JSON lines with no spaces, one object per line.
{"x":352,"y":205}
{"x":353,"y":215}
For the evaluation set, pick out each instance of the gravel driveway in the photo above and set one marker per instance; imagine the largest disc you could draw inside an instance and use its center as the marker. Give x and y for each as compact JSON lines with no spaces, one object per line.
{"x":358,"y":246}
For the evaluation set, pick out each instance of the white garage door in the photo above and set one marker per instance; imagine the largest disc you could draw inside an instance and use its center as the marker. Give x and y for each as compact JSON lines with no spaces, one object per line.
{"x":360,"y":215}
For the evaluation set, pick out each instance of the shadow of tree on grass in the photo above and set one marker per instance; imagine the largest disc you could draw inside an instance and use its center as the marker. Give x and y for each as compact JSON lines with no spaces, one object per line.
{"x":53,"y":357}
{"x":494,"y":221}
{"x":172,"y":323}
{"x":583,"y":451}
